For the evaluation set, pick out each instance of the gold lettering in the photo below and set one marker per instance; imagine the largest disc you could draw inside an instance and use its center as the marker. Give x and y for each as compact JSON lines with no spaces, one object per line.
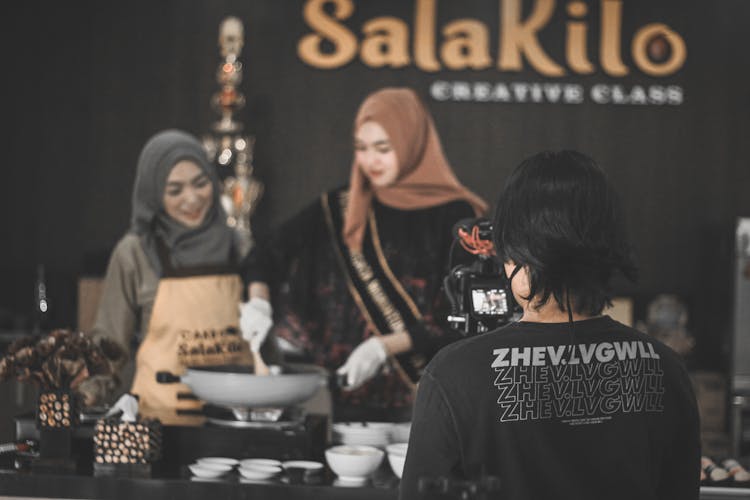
{"x":424,"y":36}
{"x":575,"y":47}
{"x":517,"y":38}
{"x":609,"y":48}
{"x":466,"y":45}
{"x":387,"y":43}
{"x":309,"y":47}
{"x":640,"y":45}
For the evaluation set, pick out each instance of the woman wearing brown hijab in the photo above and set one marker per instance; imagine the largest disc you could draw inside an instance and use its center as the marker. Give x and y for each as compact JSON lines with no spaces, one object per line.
{"x":362,"y":267}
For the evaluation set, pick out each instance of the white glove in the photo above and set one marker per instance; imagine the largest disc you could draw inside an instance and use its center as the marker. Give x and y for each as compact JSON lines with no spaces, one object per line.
{"x":128,"y":405}
{"x":363,"y":363}
{"x":255,"y":321}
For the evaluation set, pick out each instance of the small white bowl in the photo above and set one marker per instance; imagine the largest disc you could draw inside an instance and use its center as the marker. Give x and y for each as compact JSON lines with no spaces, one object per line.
{"x":232,"y":462}
{"x":209,"y":471}
{"x":247,"y":462}
{"x":352,"y":463}
{"x":303,"y":464}
{"x":259,"y":472}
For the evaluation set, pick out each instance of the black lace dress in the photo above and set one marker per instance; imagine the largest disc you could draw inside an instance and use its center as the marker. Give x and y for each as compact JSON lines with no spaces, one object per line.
{"x":327,"y":301}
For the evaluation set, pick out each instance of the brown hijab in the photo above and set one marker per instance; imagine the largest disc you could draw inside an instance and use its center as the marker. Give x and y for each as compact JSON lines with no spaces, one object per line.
{"x":425,"y":178}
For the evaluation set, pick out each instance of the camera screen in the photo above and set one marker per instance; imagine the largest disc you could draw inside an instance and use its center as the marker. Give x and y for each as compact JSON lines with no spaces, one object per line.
{"x":489,"y":301}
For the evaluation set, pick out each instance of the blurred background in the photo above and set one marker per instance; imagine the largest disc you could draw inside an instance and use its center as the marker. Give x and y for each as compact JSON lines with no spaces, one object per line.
{"x":88,"y":82}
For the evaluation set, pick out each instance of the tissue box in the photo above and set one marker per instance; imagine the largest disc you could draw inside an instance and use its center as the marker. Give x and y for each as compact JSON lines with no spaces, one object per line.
{"x":126,"y":448}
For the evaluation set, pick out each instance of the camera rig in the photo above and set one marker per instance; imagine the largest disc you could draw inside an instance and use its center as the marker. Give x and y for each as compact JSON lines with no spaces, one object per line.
{"x":478,"y":293}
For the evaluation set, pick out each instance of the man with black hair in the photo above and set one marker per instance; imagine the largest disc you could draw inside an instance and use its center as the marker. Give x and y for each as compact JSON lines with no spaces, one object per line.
{"x":565,"y":403}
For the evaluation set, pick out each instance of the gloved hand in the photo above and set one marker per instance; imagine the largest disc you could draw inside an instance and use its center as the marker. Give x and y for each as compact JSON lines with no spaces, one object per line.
{"x":255,"y":321}
{"x":363,"y":363}
{"x":127,"y":405}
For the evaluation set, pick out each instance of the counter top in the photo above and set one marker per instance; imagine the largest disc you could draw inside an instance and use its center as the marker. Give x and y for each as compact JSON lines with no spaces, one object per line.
{"x":19,"y":484}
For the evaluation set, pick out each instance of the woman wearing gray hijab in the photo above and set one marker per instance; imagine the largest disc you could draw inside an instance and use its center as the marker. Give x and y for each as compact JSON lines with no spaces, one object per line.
{"x":172,"y":284}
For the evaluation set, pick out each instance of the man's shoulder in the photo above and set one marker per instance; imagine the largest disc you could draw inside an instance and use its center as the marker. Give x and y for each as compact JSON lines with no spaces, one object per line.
{"x":456,"y":356}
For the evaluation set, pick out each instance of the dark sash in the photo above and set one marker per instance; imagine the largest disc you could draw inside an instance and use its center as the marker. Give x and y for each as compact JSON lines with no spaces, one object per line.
{"x":379,"y":295}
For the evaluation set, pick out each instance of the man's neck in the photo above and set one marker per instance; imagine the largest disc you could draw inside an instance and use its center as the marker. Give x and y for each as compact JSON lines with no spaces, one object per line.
{"x":549,"y":313}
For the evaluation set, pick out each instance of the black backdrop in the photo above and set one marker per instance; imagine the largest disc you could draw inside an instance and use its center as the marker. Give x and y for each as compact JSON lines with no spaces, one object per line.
{"x":88,"y":82}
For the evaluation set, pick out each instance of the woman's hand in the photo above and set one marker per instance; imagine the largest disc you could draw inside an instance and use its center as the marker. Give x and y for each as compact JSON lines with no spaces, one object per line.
{"x":255,"y":321}
{"x":363,"y":363}
{"x":367,"y":359}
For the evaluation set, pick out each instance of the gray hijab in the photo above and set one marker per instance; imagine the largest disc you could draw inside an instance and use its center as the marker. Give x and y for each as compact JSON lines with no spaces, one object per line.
{"x":211,"y":243}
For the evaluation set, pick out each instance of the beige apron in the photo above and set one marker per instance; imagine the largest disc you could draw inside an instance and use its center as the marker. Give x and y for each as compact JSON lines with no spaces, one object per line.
{"x":194,"y":323}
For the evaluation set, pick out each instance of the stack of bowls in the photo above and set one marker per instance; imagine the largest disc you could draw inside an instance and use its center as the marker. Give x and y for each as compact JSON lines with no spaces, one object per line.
{"x":259,"y":469}
{"x":377,"y":434}
{"x":212,"y":467}
{"x":354,"y":463}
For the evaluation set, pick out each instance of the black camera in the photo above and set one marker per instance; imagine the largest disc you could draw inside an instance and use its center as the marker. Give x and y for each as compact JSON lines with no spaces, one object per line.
{"x":479,"y":296}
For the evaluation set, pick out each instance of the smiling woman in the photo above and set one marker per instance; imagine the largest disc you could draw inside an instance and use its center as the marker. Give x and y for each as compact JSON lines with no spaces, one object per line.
{"x":189,"y":194}
{"x":175,"y":276}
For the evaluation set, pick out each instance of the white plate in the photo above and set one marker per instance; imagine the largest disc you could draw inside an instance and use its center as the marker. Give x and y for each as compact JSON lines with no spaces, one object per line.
{"x":259,"y":472}
{"x":302,"y":464}
{"x":218,"y":460}
{"x":209,"y":471}
{"x":259,"y":461}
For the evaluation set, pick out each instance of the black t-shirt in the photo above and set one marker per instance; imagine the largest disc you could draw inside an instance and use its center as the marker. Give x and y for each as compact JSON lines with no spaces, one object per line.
{"x":591,"y":410}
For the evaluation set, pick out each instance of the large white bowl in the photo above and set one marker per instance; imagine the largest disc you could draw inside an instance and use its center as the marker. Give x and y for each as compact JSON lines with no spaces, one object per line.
{"x":397,"y":457}
{"x":352,"y":463}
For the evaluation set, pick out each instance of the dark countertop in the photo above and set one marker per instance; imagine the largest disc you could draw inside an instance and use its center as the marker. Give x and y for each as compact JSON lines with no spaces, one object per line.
{"x":384,"y":486}
{"x":20,"y":484}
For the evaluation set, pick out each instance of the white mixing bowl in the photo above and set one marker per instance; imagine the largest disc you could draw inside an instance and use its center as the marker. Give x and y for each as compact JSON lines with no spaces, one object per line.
{"x":351,"y":462}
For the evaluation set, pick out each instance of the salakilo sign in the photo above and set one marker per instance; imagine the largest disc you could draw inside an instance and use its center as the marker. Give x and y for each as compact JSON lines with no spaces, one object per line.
{"x":655,"y":49}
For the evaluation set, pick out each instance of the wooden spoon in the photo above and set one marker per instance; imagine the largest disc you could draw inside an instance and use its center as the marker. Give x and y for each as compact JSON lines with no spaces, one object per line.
{"x":260,"y":366}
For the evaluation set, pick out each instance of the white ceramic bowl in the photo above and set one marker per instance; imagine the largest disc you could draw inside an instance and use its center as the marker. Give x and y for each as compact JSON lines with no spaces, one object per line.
{"x":397,"y":457}
{"x":352,"y":463}
{"x":209,"y":471}
{"x":259,"y":472}
{"x":232,"y":462}
{"x":248,"y":462}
